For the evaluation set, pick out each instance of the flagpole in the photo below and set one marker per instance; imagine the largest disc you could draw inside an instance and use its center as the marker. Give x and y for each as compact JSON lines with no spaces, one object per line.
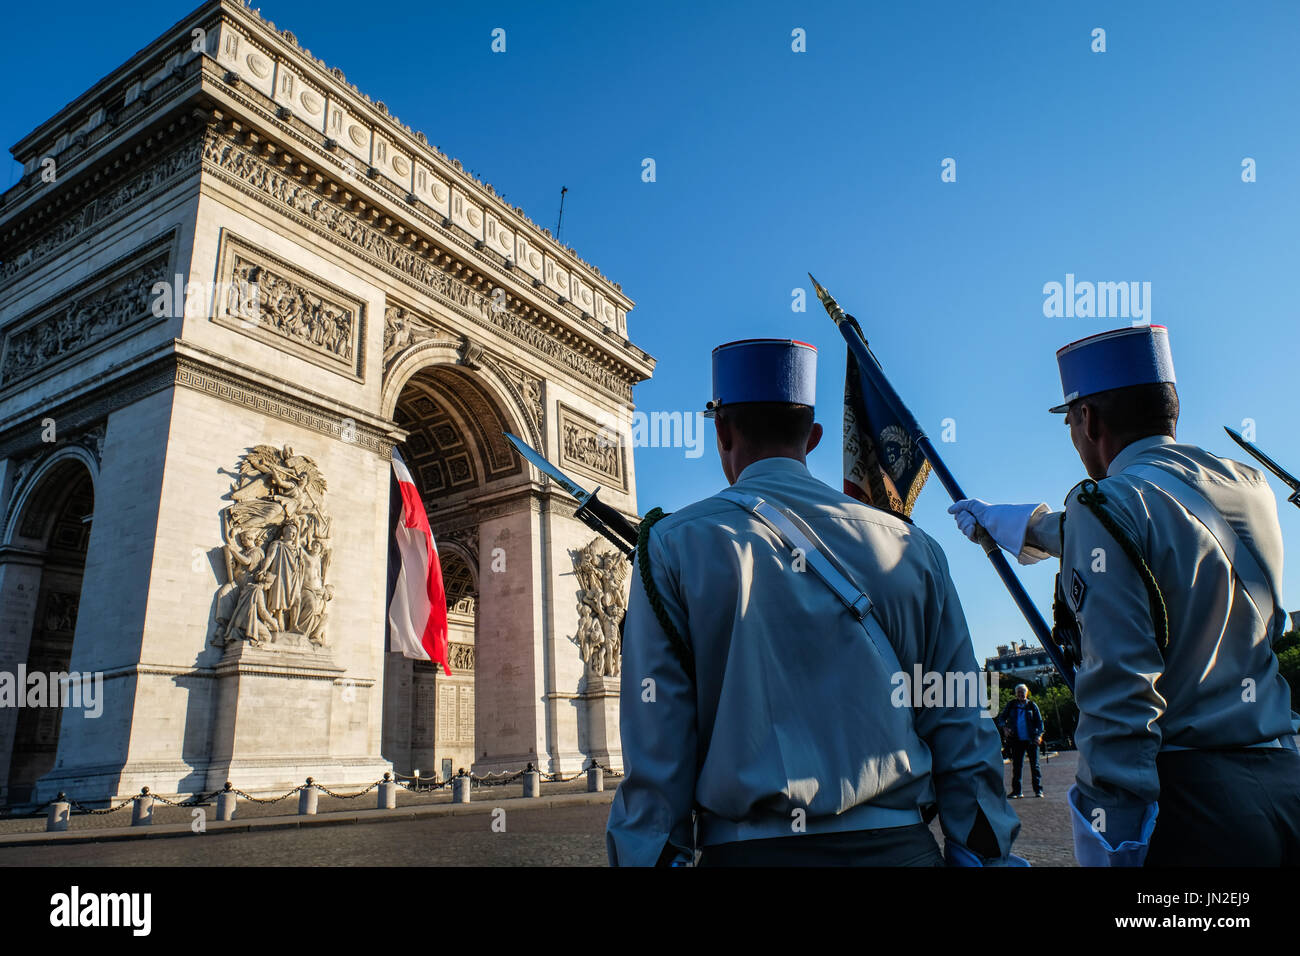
{"x":852,"y":334}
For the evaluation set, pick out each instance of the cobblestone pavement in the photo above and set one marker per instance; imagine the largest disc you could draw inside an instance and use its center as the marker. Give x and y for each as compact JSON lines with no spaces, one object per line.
{"x":541,"y":836}
{"x":289,"y":806}
{"x":534,"y":836}
{"x":1045,"y":837}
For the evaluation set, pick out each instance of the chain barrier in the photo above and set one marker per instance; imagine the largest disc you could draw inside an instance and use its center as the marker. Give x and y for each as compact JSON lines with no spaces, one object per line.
{"x":297,"y":789}
{"x":418,"y":785}
{"x":74,"y":805}
{"x":191,"y":802}
{"x":347,"y":796}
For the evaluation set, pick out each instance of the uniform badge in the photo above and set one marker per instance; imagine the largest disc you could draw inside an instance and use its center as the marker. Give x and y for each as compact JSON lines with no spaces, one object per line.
{"x":1077,"y":591}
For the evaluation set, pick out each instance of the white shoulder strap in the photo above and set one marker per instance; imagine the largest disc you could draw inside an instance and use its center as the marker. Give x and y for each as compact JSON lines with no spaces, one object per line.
{"x":1243,"y":561}
{"x":794,"y":533}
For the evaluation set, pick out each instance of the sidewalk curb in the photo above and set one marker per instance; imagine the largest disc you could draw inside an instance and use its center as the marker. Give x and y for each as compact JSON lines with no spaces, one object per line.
{"x":296,"y":821}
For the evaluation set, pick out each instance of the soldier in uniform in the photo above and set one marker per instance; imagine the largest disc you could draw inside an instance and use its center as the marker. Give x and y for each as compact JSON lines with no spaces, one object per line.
{"x":768,"y":633}
{"x":1171,"y":566}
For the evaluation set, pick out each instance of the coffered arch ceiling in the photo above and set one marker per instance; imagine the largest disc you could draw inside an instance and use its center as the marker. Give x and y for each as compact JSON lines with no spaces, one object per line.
{"x":455,"y":442}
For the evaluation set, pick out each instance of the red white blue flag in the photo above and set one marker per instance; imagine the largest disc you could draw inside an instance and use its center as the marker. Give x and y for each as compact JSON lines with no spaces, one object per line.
{"x":417,"y":616}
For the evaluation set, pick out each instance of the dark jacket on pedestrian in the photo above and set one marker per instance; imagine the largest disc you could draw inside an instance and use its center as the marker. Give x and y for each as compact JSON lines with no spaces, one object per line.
{"x":1008,"y":720}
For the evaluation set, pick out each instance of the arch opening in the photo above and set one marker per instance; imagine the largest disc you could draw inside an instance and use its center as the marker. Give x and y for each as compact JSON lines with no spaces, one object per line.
{"x":456,"y":452}
{"x":53,"y":532}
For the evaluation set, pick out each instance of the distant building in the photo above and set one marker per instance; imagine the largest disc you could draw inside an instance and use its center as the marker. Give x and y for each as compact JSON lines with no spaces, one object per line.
{"x":1017,"y":658}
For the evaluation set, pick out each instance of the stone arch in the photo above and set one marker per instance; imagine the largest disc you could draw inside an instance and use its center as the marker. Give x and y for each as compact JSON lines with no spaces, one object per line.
{"x":455,"y":423}
{"x":450,"y":550}
{"x":487,"y":371}
{"x":30,"y":497}
{"x":41,"y":574}
{"x":454,"y":412}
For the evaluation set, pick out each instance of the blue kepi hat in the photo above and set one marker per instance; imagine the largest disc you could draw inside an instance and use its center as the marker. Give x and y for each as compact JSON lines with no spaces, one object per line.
{"x":1135,"y":356}
{"x":764,"y":370}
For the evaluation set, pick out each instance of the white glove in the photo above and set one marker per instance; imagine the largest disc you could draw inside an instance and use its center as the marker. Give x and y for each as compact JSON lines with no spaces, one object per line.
{"x":1006,"y":524}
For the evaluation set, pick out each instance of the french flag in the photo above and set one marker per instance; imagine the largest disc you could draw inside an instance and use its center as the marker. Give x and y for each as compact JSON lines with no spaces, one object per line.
{"x":417,"y":616}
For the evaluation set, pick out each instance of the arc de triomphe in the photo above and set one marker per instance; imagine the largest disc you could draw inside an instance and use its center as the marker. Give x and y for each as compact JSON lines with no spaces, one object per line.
{"x":230,"y":284}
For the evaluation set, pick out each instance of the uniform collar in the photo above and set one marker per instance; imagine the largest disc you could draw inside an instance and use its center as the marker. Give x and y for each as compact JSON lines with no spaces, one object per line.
{"x":1132,"y":450}
{"x":772,"y":466}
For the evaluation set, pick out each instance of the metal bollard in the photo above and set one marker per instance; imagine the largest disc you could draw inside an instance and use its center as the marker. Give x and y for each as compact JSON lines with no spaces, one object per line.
{"x":388,"y":793}
{"x":226,"y":800}
{"x":415,"y":782}
{"x":460,"y":787}
{"x":60,"y":811}
{"x":307,"y":799}
{"x":532,"y":782}
{"x":595,"y":778}
{"x":142,"y":809}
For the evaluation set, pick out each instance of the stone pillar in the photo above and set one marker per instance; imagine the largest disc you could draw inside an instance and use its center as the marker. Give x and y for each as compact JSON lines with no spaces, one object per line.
{"x":308,"y":797}
{"x":532,"y":782}
{"x":387,"y":794}
{"x":57,"y":820}
{"x":226,"y":803}
{"x":265,"y":696}
{"x":510,"y":668}
{"x":583,"y":702}
{"x":142,"y":809}
{"x":460,"y":789}
{"x":20,"y":580}
{"x":595,"y":779}
{"x":94,"y":751}
{"x":600,"y":703}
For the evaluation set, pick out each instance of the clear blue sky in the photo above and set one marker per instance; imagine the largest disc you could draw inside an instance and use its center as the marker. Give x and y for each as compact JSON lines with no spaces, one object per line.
{"x":1115,"y":166}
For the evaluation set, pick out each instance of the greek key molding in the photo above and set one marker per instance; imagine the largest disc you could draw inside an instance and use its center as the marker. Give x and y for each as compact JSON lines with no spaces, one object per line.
{"x":269,"y":400}
{"x":85,"y":410}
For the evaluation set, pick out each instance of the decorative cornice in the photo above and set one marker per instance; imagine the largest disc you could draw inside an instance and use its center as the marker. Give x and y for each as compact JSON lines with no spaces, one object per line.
{"x":370,"y":121}
{"x":306,"y":202}
{"x":95,"y":201}
{"x":237,"y":50}
{"x":191,"y":370}
{"x":270,"y":400}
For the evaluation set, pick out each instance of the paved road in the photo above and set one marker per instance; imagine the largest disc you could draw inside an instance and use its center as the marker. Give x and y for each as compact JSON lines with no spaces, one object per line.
{"x":554,"y":836}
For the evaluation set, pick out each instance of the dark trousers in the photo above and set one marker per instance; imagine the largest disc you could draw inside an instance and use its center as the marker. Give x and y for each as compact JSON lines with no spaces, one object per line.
{"x":893,"y":846}
{"x":1227,"y":808}
{"x":1019,"y":750}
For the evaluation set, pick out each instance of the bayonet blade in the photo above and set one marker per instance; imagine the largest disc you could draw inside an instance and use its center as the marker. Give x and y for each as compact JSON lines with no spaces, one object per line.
{"x":1283,"y":475}
{"x":564,"y":481}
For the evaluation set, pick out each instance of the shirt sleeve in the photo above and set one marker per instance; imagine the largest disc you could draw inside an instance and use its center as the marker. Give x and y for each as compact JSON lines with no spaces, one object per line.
{"x":966,"y":751}
{"x":650,"y":820}
{"x":1115,"y":686}
{"x":1042,"y":536}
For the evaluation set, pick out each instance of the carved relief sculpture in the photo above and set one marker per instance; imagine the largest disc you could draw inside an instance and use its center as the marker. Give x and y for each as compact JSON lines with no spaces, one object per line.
{"x":277,"y":552}
{"x":402,"y":329}
{"x":592,"y":448}
{"x":76,"y":322}
{"x":602,"y":602}
{"x":272,"y":300}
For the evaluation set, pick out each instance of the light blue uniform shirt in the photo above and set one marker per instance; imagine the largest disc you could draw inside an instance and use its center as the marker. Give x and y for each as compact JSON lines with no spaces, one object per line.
{"x":1217,"y":686}
{"x":791,"y":707}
